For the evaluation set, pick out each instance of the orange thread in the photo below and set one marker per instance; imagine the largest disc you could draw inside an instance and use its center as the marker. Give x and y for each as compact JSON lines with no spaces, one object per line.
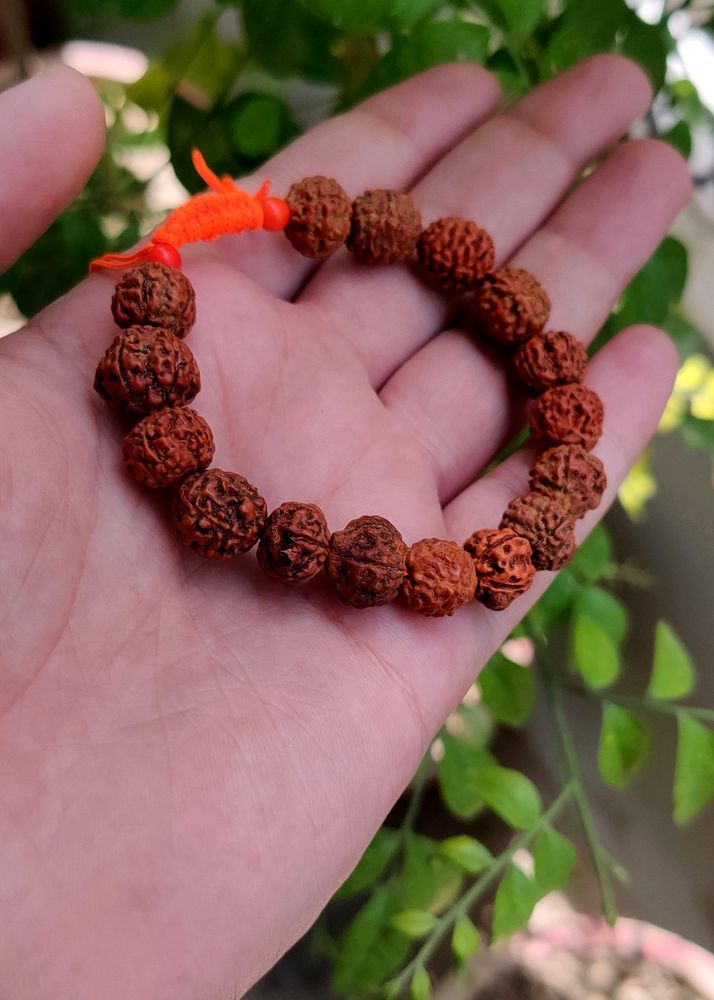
{"x":222,"y":211}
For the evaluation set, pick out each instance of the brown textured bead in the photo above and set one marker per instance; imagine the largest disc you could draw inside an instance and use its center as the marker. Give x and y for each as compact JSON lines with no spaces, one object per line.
{"x":440,"y":577}
{"x":366,"y":561}
{"x":568,"y":414}
{"x":219,"y":514}
{"x":455,"y":253}
{"x":546,"y":524}
{"x":510,"y":306}
{"x":167,"y":445}
{"x":503,"y":564}
{"x":152,"y":294}
{"x":554,"y":357}
{"x":294,"y":544}
{"x":320,"y":215}
{"x":147,"y":368}
{"x":385,"y":227}
{"x":573,"y":475}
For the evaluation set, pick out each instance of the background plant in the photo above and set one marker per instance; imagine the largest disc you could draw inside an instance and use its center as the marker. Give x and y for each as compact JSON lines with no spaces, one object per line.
{"x":245,"y":79}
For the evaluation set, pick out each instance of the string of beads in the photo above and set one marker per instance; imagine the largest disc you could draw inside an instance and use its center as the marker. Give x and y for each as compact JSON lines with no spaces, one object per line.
{"x":150,"y":372}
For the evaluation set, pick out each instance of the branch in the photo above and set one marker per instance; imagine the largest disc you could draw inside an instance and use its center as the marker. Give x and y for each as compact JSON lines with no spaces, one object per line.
{"x":469,"y":898}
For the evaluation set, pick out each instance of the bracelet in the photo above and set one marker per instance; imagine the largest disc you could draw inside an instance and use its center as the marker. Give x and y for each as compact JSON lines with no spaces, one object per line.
{"x":150,"y":372}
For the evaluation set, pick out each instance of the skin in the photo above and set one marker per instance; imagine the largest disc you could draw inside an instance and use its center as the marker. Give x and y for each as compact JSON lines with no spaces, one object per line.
{"x":191,"y":759}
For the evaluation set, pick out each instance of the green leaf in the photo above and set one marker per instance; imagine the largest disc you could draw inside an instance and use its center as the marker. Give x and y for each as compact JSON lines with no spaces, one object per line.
{"x":430,"y":881}
{"x":507,"y":690}
{"x":420,"y":988}
{"x":554,"y":603}
{"x":673,"y":672}
{"x":465,"y":939}
{"x":586,"y":27}
{"x":510,"y":794}
{"x":680,"y":136}
{"x":146,"y":10}
{"x":429,"y":44}
{"x":594,"y":653}
{"x":467,"y":853}
{"x":515,"y":898}
{"x":656,"y":288}
{"x":366,"y":16}
{"x":235,"y":138}
{"x":648,"y":45}
{"x":605,"y":609}
{"x":370,"y":950}
{"x":593,"y":558}
{"x":694,"y":769}
{"x":288,"y":39}
{"x":553,"y":857}
{"x":459,"y":796}
{"x":624,"y":745}
{"x":415,"y":924}
{"x":372,"y":863}
{"x":522,"y":16}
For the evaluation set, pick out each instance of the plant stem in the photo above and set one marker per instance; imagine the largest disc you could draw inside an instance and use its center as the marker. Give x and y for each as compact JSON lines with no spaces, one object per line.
{"x":642,"y":702}
{"x":572,"y":764}
{"x":467,"y":900}
{"x":417,"y":794}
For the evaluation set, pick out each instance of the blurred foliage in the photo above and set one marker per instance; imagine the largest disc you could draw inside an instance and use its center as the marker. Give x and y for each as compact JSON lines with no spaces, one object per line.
{"x":246,"y":78}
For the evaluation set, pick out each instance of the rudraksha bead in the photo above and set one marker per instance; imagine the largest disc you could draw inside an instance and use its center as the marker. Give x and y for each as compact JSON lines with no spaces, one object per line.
{"x":568,"y":414}
{"x":510,"y":306}
{"x":167,"y":445}
{"x":366,"y":561}
{"x":385,"y":227}
{"x":573,"y":475}
{"x":440,"y":577}
{"x":455,"y":254}
{"x":546,"y":524}
{"x":147,"y":368}
{"x":320,"y":215}
{"x":554,"y":357}
{"x":294,"y":544}
{"x":151,"y":294}
{"x":219,"y":514}
{"x":503,"y":564}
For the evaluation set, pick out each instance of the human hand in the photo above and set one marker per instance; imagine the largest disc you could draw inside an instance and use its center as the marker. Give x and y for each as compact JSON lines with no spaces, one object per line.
{"x":191,"y":759}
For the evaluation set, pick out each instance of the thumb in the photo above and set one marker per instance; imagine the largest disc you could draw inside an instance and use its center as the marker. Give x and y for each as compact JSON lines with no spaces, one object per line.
{"x":53,"y":126}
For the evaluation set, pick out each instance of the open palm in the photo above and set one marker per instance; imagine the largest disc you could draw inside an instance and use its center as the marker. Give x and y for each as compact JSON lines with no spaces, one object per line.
{"x":191,"y":759}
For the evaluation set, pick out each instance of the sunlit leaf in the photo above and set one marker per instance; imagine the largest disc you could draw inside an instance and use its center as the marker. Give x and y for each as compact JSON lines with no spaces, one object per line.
{"x":624,"y":745}
{"x":510,"y":794}
{"x":465,"y":939}
{"x":694,"y":769}
{"x":430,"y":880}
{"x":516,"y":896}
{"x":604,"y":608}
{"x":553,"y":859}
{"x":594,"y":653}
{"x":673,"y":672}
{"x":467,"y":853}
{"x":415,"y":924}
{"x":420,"y":987}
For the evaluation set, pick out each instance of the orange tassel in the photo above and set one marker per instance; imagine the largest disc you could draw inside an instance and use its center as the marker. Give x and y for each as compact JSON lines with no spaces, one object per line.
{"x":224,"y":210}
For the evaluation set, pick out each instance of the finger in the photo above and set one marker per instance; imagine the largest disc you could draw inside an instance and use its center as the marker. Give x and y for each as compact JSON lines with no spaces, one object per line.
{"x":56,"y":123}
{"x":584,"y":255}
{"x":633,"y":375}
{"x":507,"y":176}
{"x":387,"y":141}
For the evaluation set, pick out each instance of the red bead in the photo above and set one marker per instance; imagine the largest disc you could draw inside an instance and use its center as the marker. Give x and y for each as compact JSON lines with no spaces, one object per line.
{"x":164,"y":253}
{"x":276,"y":214}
